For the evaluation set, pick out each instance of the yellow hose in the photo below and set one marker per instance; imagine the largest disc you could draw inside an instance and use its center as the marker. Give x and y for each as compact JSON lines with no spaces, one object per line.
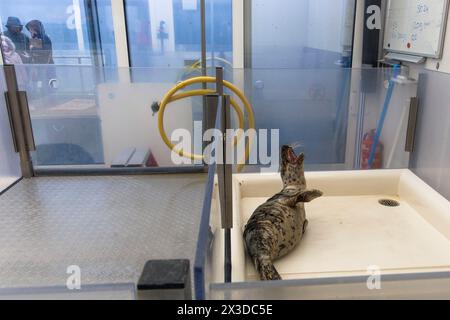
{"x":172,"y":96}
{"x":197,"y":65}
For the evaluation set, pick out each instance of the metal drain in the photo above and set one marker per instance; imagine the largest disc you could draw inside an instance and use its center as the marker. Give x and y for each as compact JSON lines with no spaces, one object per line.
{"x":389,"y":203}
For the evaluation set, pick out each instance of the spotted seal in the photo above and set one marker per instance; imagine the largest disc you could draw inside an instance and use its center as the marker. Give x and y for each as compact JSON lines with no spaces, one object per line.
{"x":277,"y":226}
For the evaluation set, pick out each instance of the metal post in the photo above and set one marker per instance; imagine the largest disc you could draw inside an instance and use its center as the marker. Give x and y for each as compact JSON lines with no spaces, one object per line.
{"x":207,"y":113}
{"x":227,"y":211}
{"x":412,"y":124}
{"x":360,"y":130}
{"x":227,"y":167}
{"x":203,"y":38}
{"x":248,"y":34}
{"x":20,"y":121}
{"x":219,"y":81}
{"x":210,"y":103}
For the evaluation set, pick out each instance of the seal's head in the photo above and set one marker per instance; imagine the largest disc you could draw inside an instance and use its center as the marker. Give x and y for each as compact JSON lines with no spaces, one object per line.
{"x":292,"y":169}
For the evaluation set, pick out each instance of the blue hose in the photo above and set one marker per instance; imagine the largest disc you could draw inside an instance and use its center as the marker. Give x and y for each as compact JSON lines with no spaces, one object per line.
{"x":387,"y":102}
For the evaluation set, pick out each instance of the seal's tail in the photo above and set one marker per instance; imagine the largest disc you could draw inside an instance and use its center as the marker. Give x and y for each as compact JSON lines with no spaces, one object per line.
{"x":266,"y":269}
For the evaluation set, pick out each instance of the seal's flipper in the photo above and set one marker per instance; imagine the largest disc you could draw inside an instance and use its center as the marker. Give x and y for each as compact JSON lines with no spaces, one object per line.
{"x":308,"y":195}
{"x":291,"y":197}
{"x":266,"y":269}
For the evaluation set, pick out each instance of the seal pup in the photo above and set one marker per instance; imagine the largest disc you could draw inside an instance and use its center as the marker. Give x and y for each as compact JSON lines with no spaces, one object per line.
{"x":277,"y":226}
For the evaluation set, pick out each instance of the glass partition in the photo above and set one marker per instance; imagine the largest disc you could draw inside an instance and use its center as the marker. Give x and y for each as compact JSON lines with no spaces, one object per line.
{"x":9,"y":159}
{"x":205,"y":266}
{"x":334,"y":116}
{"x":65,"y":32}
{"x":97,"y":117}
{"x":431,"y":155}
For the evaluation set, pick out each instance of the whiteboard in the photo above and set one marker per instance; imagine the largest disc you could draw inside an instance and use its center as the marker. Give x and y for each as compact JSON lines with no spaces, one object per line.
{"x":416,"y":27}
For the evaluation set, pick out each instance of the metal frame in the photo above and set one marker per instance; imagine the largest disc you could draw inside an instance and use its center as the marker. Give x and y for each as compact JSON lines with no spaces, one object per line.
{"x":248,"y":39}
{"x":225,"y":173}
{"x":67,"y":172}
{"x":412,"y":125}
{"x":93,"y":31}
{"x":20,"y":121}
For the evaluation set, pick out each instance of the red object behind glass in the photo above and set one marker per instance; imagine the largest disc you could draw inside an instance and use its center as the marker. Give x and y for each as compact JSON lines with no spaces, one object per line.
{"x":366,"y":149}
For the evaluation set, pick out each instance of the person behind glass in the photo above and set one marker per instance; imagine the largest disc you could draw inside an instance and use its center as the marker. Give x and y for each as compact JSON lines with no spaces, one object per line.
{"x":41,"y":47}
{"x":10,"y":56}
{"x":41,"y":50}
{"x":21,"y":41}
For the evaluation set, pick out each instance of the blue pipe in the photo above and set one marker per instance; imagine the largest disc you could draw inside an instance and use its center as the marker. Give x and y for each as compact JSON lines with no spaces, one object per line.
{"x":387,"y":102}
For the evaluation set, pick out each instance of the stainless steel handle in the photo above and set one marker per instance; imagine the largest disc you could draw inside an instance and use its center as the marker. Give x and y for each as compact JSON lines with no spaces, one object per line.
{"x":412,"y":124}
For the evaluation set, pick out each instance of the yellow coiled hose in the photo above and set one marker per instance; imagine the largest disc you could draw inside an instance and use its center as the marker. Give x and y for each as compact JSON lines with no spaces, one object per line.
{"x":172,"y":96}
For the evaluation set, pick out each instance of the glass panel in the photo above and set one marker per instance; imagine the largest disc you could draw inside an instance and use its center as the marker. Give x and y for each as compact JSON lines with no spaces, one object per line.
{"x":208,"y":267}
{"x":83,"y":108}
{"x":86,"y":117}
{"x":311,"y":109}
{"x":9,"y":160}
{"x":302,"y":33}
{"x":331,"y":115}
{"x":430,"y":159}
{"x":66,"y":32}
{"x":209,"y":237}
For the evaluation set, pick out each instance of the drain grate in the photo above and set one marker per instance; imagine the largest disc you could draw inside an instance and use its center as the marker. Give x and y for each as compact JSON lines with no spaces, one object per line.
{"x":389,"y":203}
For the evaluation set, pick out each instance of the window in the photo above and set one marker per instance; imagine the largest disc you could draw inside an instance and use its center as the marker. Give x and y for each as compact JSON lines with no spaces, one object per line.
{"x":302,"y":33}
{"x":219,"y":31}
{"x":59,"y":32}
{"x":164,"y":33}
{"x":300,"y":52}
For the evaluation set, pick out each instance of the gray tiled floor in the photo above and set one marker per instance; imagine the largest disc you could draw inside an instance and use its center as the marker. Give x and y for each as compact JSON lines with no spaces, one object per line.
{"x":109,"y":226}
